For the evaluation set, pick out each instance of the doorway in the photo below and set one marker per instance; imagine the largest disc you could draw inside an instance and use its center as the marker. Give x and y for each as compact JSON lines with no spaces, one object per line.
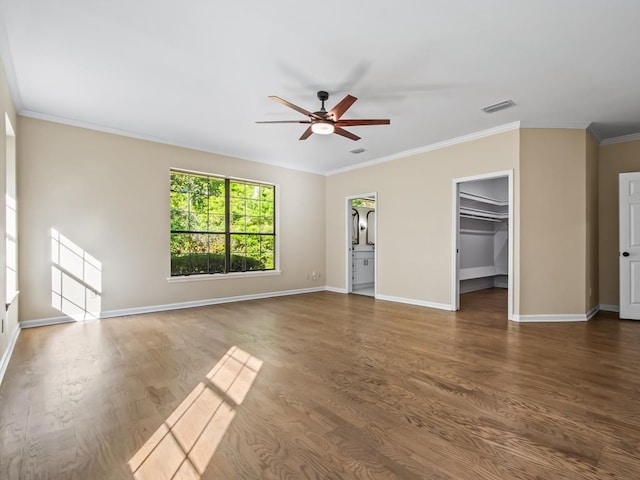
{"x":483,"y":236}
{"x":361,"y":244}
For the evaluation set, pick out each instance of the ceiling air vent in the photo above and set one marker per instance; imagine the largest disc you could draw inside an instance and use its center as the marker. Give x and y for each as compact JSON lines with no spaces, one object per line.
{"x":499,"y":106}
{"x":357,"y":150}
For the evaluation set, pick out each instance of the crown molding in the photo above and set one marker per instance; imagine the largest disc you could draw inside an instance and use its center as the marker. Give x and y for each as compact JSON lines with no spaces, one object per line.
{"x":428,"y":148}
{"x":147,"y":138}
{"x":594,"y":134}
{"x":567,"y":125}
{"x":621,"y":139}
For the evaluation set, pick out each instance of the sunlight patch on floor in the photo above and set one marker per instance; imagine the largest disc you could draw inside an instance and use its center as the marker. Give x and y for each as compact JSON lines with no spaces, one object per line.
{"x":185,"y":443}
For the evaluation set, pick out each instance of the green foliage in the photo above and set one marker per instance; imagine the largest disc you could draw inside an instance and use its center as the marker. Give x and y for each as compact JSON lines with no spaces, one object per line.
{"x":198,"y":216}
{"x":203,"y":263}
{"x":363,"y":202}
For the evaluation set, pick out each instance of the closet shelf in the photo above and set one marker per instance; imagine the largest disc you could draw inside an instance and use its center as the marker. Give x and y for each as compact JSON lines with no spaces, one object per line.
{"x":480,"y":198}
{"x":473,"y":231}
{"x":469,"y":212}
{"x":482,"y":272}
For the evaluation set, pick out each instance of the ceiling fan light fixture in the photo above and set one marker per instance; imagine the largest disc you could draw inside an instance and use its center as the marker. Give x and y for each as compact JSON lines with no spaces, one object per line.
{"x":322,"y":127}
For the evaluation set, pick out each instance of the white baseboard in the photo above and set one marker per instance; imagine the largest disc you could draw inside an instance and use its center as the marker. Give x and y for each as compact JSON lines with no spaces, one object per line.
{"x":412,"y":301}
{"x":171,"y":306}
{"x":476,"y":284}
{"x":570,"y":317}
{"x":593,"y":311}
{"x":335,"y":289}
{"x":4,"y":361}
{"x":45,"y":322}
{"x":609,"y":308}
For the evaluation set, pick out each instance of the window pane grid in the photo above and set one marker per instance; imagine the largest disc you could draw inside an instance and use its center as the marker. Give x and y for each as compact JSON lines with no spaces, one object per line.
{"x":200,"y":242}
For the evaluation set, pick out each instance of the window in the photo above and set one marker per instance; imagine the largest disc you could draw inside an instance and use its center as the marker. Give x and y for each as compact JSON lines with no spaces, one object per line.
{"x":220,"y":225}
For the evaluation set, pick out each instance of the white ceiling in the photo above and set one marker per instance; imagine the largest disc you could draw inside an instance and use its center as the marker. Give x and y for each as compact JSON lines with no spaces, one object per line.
{"x":198,"y":73}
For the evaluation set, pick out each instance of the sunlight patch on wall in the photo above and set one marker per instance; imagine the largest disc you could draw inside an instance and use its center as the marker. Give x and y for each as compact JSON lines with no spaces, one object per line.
{"x":185,"y":443}
{"x":76,"y":279}
{"x":11,"y":222}
{"x":11,"y":249}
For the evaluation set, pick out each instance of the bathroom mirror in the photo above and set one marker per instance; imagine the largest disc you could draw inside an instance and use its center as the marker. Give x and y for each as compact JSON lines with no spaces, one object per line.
{"x":371,"y":227}
{"x":355,"y":227}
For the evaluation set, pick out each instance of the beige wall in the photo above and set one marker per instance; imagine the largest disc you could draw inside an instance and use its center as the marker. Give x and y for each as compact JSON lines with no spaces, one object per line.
{"x":592,"y":290}
{"x":613,"y":159}
{"x":413,"y":214}
{"x":552,"y":221}
{"x":9,"y":317}
{"x":110,"y":195}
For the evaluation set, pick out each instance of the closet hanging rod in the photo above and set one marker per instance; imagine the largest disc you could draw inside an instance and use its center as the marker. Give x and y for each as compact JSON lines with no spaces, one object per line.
{"x":483,"y":199}
{"x":471,"y":231}
{"x":480,"y":217}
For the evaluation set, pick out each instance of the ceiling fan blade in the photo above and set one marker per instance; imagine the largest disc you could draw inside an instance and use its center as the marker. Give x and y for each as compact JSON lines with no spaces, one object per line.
{"x":284,"y":121}
{"x":342,"y":132}
{"x":295,"y":107}
{"x":355,"y":123}
{"x":342,"y":107}
{"x":307,"y":133}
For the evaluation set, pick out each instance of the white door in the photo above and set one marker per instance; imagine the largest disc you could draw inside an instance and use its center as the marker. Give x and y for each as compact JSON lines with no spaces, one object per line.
{"x":630,"y":245}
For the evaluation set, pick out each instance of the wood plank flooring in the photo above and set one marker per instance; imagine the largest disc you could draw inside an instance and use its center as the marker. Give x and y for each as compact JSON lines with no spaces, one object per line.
{"x":324,"y":386}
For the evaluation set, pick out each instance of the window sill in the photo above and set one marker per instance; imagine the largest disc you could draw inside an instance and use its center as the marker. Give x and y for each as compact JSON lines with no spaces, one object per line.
{"x":12,"y":298}
{"x":222,"y":276}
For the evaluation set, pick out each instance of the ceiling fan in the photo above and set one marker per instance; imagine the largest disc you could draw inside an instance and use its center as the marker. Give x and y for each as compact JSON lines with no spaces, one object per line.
{"x":326,"y":123}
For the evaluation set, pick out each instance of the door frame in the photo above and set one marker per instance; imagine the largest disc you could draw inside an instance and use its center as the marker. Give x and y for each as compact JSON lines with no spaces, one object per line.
{"x":455,"y":236}
{"x":348,"y":251}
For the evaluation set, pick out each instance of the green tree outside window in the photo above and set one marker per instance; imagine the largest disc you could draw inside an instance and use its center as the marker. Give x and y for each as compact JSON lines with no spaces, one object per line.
{"x":220,"y":225}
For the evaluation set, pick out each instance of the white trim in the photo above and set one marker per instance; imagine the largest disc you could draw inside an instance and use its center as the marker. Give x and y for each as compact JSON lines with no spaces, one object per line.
{"x":413,"y":301}
{"x":172,"y":306}
{"x":568,"y":125}
{"x":336,"y":289}
{"x":222,"y":276}
{"x":592,"y":312}
{"x":6,"y":357}
{"x":45,"y":322}
{"x":569,"y":317}
{"x":594,"y":134}
{"x":609,"y":308}
{"x":428,"y":148}
{"x":621,"y":139}
{"x":455,"y":240}
{"x":479,"y":284}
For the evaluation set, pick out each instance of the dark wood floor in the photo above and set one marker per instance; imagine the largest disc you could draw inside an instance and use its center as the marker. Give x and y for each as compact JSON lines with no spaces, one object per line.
{"x":324,"y":386}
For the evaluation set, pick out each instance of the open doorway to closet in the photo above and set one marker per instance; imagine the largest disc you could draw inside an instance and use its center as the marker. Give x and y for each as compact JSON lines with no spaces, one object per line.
{"x":483,"y":239}
{"x":361,"y":244}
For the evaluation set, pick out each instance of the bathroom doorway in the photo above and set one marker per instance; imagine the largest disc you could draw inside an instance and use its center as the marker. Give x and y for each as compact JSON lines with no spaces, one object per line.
{"x":361,"y":243}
